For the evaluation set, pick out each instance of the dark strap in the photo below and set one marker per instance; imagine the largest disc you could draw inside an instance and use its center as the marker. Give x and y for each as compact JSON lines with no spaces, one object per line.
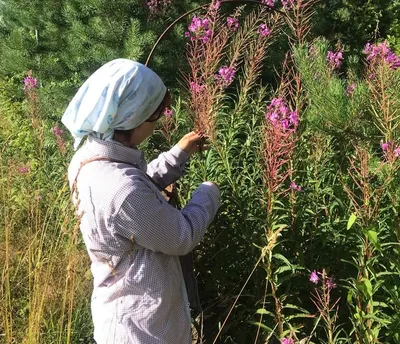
{"x":100,"y":158}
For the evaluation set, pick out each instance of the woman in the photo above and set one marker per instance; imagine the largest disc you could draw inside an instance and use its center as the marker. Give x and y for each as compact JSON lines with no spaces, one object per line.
{"x":133,"y":236}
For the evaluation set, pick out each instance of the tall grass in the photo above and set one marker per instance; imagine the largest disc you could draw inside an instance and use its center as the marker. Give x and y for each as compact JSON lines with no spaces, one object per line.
{"x":41,"y":299}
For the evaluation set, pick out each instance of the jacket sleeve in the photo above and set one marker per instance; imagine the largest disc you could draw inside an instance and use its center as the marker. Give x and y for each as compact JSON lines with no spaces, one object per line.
{"x":168,"y":167}
{"x":156,"y":225}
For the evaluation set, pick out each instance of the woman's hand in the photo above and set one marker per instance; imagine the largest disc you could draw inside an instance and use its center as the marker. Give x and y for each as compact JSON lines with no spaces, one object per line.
{"x":193,"y":142}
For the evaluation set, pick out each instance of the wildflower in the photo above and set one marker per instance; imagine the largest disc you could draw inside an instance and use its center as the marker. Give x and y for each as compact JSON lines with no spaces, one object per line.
{"x":270,"y":3}
{"x":227,"y":74}
{"x":335,"y":59}
{"x":263,"y":30}
{"x":57,"y":131}
{"x":38,"y":198}
{"x":350,"y":89}
{"x":288,"y":4}
{"x":330,"y":284}
{"x":385,"y":146}
{"x":392,"y":60}
{"x":168,"y":112}
{"x":280,"y":115}
{"x":396,"y":152}
{"x":232,"y":22}
{"x":294,"y":118}
{"x":154,"y":5}
{"x":30,"y":83}
{"x":200,"y":29}
{"x":314,"y":277}
{"x":382,"y":52}
{"x":216,"y":5}
{"x":287,"y":341}
{"x":23,"y":170}
{"x":295,"y":187}
{"x":196,"y":88}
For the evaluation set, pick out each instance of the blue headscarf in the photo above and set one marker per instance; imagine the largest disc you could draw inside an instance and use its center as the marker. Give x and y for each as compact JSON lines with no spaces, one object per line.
{"x":120,"y":95}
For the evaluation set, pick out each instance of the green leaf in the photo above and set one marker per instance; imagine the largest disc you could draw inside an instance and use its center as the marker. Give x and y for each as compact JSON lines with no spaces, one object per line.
{"x":264,"y":311}
{"x":261,"y":325}
{"x":352,"y":219}
{"x":365,"y":286}
{"x":373,"y":237}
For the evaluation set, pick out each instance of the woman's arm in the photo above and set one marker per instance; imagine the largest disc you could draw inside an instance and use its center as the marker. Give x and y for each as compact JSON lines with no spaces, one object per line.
{"x":156,"y":225}
{"x":168,"y":167}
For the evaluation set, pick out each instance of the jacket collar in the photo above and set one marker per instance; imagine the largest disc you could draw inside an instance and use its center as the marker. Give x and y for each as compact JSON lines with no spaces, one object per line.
{"x":114,"y":150}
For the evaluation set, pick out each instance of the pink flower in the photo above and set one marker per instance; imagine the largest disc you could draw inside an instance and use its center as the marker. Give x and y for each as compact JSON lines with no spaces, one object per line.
{"x":385,"y":146}
{"x":350,"y":89}
{"x":295,"y":187}
{"x":330,"y":284}
{"x":294,"y":119}
{"x":23,"y":170}
{"x":200,"y":29}
{"x":57,"y":131}
{"x":232,"y":22}
{"x":396,"y":152}
{"x":280,"y":115}
{"x":263,"y":30}
{"x":288,"y":4}
{"x":38,"y":198}
{"x":216,"y":5}
{"x":270,"y":3}
{"x":168,"y":112}
{"x":287,"y":341}
{"x":314,"y":277}
{"x":196,"y":88}
{"x":335,"y":59}
{"x":155,"y":5}
{"x":227,"y":74}
{"x":382,"y":52}
{"x":30,"y":83}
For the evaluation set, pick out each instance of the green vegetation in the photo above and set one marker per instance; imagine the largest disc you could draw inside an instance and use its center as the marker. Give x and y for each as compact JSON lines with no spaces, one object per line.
{"x":305,"y":247}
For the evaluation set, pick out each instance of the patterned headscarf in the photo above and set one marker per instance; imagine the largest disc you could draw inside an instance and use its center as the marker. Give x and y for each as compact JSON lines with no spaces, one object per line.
{"x":120,"y":95}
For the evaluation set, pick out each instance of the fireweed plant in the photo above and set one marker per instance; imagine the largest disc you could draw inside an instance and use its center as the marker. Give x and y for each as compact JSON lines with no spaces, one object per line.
{"x":305,"y":247}
{"x":41,"y":301}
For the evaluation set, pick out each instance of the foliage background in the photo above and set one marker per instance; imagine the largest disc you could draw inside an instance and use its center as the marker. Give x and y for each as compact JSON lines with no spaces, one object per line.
{"x":45,"y":281}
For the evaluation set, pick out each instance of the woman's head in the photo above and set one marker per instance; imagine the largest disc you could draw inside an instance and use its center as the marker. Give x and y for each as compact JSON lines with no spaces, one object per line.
{"x":137,"y":135}
{"x":121,"y":95}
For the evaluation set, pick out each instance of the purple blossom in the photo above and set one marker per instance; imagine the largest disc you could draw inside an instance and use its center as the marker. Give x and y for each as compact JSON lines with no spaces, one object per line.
{"x":335,"y":59}
{"x":350,"y":89}
{"x":168,"y":112}
{"x":155,"y":5}
{"x":29,"y":83}
{"x":382,"y":52}
{"x":215,"y":6}
{"x":196,"y":88}
{"x":330,"y":284}
{"x":385,"y":146}
{"x":270,"y":3}
{"x":287,"y":341}
{"x":57,"y":131}
{"x":232,"y":22}
{"x":295,"y":187}
{"x":288,"y":4}
{"x":263,"y":30}
{"x":227,"y":74}
{"x":294,"y":118}
{"x":280,"y":115}
{"x":23,"y":170}
{"x":200,"y":29}
{"x":314,"y":277}
{"x":396,"y":152}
